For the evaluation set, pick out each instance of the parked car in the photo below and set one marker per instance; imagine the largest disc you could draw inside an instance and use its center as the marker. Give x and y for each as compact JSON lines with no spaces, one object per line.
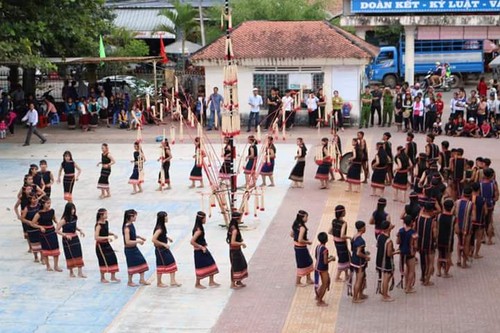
{"x":129,"y":84}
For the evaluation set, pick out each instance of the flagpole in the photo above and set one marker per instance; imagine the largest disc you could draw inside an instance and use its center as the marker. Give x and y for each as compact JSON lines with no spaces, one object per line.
{"x":155,"y":94}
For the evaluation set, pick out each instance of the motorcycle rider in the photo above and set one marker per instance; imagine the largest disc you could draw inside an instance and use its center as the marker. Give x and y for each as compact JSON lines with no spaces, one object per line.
{"x":437,"y":74}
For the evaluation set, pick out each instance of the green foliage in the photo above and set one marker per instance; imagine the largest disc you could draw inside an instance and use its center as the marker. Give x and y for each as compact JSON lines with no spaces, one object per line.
{"x":388,"y":35}
{"x":134,"y":48}
{"x":122,"y":44}
{"x":33,"y":29}
{"x":183,"y":18}
{"x":336,"y":22}
{"x":270,"y":10}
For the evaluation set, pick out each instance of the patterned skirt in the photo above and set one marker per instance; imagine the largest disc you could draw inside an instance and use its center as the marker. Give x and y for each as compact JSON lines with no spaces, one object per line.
{"x":50,"y":243}
{"x":68,"y":183}
{"x":73,"y":251}
{"x":323,"y":171}
{"x":267,"y":168}
{"x":225,"y":170}
{"x":304,"y":261}
{"x":135,"y":260}
{"x":344,"y":258}
{"x":378,"y":177}
{"x":250,"y":167}
{"x":239,"y":267}
{"x":297,"y":173}
{"x":165,"y":168}
{"x":165,"y":262}
{"x":134,"y":178}
{"x":103,"y":182}
{"x":354,"y":173}
{"x":196,"y":173}
{"x":400,"y":181}
{"x":106,"y":257}
{"x":34,"y":239}
{"x":204,"y":264}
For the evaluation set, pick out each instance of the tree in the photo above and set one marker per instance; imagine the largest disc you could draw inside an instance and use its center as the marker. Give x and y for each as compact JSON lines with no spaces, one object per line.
{"x":271,"y":10}
{"x":184,"y":25}
{"x":123,"y":44}
{"x":32,"y":29}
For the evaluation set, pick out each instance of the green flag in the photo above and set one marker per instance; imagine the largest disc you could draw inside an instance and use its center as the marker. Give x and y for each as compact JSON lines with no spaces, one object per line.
{"x":102,"y":52}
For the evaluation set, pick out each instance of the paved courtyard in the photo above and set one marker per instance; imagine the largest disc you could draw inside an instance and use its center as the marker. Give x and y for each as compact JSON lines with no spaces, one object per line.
{"x":33,"y":300}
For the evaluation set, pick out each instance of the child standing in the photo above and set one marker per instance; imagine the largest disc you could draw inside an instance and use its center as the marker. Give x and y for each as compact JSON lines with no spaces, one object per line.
{"x":321,"y":269}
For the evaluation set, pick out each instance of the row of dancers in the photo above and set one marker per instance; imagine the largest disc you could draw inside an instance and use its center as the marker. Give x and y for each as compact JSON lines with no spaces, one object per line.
{"x":42,"y":230}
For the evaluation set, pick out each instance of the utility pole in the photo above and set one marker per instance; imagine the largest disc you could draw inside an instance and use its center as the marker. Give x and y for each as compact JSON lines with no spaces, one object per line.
{"x":202,"y":24}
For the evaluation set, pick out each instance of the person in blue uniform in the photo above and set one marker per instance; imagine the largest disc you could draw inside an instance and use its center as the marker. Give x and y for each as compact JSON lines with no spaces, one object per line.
{"x":68,"y":228}
{"x":489,"y":191}
{"x":68,"y":166}
{"x":136,"y":263}
{"x":165,"y":261}
{"x":204,"y":263}
{"x":321,"y":269}
{"x":302,"y":257}
{"x":463,"y":211}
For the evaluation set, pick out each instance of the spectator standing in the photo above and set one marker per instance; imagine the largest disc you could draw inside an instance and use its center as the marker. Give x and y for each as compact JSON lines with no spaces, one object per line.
{"x":337,"y":119}
{"x":31,"y":119}
{"x":482,"y":87}
{"x":215,"y":100}
{"x":388,"y":111}
{"x":274,"y":104}
{"x":255,"y":102}
{"x":366,"y":103}
{"x":312,"y":109}
{"x":103,"y":106}
{"x":287,"y":102}
{"x":376,"y":105}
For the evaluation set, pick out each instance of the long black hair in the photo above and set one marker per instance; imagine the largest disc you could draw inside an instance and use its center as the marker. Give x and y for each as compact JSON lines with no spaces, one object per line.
{"x":126,"y":217}
{"x":198,"y":223}
{"x":68,"y":214}
{"x":100,"y":213}
{"x":160,"y":222}
{"x":67,"y":152}
{"x":235,"y":221}
{"x":379,"y":214}
{"x":299,"y":220}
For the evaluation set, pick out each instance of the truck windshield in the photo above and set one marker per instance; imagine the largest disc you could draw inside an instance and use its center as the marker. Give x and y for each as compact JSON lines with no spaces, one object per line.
{"x":385,"y":57}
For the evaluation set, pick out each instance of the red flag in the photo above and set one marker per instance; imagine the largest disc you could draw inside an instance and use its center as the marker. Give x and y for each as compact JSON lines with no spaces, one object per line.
{"x":162,"y":51}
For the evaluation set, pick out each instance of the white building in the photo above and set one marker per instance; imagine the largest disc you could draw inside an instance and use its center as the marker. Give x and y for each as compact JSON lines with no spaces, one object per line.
{"x":290,"y":55}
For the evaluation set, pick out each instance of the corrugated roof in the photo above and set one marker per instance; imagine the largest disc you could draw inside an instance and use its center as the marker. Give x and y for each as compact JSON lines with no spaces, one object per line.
{"x":160,"y":3}
{"x":289,"y":40}
{"x":141,"y":20}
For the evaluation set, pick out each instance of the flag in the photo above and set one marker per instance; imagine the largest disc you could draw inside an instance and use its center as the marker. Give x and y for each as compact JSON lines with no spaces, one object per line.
{"x":102,"y":52}
{"x":162,"y":51}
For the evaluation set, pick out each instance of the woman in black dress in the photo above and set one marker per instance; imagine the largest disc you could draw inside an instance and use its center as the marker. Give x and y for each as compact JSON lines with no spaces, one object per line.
{"x":379,"y":168}
{"x":165,"y":158}
{"x":204,"y":263}
{"x":297,"y":174}
{"x":238,"y":262}
{"x":225,"y":170}
{"x":137,"y":177}
{"x":356,"y":164}
{"x":71,"y":242}
{"x":105,"y":253}
{"x":165,"y":262}
{"x":196,"y":172}
{"x":403,"y":167}
{"x":106,"y":162}
{"x":69,"y":166}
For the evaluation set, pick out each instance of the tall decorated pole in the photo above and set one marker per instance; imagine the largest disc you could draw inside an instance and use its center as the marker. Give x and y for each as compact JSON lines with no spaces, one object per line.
{"x":230,"y":122}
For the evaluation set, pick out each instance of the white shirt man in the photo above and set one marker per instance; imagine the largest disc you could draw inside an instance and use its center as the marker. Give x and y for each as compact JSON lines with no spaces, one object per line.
{"x":31,"y":119}
{"x":255,"y":101}
{"x":287,"y":101}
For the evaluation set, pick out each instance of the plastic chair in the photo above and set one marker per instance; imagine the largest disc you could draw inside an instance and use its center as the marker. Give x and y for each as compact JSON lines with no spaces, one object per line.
{"x":346,"y":112}
{"x":55,"y":120}
{"x":42,"y":122}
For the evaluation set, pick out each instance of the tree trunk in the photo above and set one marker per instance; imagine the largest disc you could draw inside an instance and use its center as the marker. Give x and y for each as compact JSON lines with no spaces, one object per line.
{"x":29,"y":81}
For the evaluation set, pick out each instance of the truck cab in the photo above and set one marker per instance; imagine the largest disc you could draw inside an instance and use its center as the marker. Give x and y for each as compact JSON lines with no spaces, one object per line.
{"x":385,"y":67}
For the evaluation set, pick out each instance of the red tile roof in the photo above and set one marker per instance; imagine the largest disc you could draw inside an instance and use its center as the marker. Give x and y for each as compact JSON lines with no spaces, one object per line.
{"x":289,"y":40}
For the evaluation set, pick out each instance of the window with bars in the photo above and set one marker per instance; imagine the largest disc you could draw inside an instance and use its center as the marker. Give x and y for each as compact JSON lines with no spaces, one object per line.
{"x":267,"y":81}
{"x":318,"y":80}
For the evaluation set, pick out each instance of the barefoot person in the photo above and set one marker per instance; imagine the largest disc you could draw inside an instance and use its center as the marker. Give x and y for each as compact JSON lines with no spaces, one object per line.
{"x":354,"y":171}
{"x":403,"y":167}
{"x":427,"y":233}
{"x":204,"y":263}
{"x":446,"y":224}
{"x":238,"y":262}
{"x":359,"y":261}
{"x":339,"y":232}
{"x":68,"y":166}
{"x":47,"y":177}
{"x":27,"y":215}
{"x":251,"y":159}
{"x":196,"y":172}
{"x":267,"y":169}
{"x":136,"y":263}
{"x":165,"y":262}
{"x":407,"y":240}
{"x":164,"y":159}
{"x":105,"y":254}
{"x":463,"y":212}
{"x":45,"y":219}
{"x":297,"y":174}
{"x":71,"y":242}
{"x":324,"y":164}
{"x":379,"y":216}
{"x":385,"y":261}
{"x":321,"y":269}
{"x":137,"y":177}
{"x":478,"y":220}
{"x":379,"y":169}
{"x":489,"y":191}
{"x":302,"y":257}
{"x":106,"y":162}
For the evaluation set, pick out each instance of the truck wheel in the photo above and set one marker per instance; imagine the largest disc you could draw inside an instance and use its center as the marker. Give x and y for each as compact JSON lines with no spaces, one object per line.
{"x":454,"y":81}
{"x":390,"y":81}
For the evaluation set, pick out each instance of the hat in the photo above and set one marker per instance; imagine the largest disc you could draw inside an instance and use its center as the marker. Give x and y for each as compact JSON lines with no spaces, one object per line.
{"x":472,"y":119}
{"x":255,"y":89}
{"x":382,"y":201}
{"x":359,"y":225}
{"x":385,"y":225}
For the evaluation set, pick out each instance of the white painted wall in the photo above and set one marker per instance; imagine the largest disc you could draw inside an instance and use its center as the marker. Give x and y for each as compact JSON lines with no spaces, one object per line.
{"x":347,"y":80}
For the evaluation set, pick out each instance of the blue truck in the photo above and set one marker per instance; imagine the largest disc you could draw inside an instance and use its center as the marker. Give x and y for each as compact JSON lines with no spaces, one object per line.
{"x":465,"y":58}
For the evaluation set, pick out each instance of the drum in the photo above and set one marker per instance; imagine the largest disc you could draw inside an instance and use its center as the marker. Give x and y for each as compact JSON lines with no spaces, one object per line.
{"x":345,"y":162}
